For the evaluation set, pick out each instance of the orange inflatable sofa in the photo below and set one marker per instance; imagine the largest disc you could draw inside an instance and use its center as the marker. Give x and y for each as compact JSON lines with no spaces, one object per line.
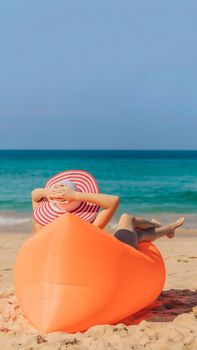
{"x":72,"y":275}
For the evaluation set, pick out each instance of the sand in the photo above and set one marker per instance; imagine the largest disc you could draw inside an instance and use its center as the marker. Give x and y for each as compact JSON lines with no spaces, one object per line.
{"x":169,"y":323}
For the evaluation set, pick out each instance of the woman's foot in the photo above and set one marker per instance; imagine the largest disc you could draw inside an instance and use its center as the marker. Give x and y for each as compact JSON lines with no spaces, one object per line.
{"x":174,"y":226}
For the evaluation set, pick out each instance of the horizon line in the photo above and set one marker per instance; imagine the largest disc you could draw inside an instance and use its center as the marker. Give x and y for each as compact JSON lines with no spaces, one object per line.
{"x":97,"y":149}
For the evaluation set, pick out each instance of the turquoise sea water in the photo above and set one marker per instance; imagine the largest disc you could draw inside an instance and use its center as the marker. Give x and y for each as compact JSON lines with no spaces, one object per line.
{"x":148,"y":182}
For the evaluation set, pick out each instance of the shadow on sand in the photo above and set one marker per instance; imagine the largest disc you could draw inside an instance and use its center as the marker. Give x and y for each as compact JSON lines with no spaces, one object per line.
{"x":166,"y":308}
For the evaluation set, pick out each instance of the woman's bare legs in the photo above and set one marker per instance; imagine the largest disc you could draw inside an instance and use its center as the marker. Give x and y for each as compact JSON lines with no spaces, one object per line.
{"x":154,"y":233}
{"x":128,"y":222}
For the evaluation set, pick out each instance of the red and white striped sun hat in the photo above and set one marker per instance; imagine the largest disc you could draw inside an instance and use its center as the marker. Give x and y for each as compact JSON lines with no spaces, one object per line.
{"x":80,"y":180}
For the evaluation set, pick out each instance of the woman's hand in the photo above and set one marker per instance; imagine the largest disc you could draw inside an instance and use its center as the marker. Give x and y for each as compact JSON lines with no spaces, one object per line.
{"x":61,"y":193}
{"x":55,"y":191}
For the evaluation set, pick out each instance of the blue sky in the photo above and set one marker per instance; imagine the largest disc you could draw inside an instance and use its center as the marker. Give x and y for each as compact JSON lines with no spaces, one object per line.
{"x":98,"y":74}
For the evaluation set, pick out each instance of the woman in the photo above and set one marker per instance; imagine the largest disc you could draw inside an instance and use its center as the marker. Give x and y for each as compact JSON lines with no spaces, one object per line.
{"x":76,"y":191}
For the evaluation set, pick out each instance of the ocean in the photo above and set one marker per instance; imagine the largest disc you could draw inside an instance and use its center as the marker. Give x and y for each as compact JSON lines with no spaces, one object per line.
{"x":160,"y":184}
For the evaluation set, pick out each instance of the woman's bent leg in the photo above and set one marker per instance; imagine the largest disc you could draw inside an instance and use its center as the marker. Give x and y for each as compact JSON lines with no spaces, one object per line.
{"x":126,"y":231}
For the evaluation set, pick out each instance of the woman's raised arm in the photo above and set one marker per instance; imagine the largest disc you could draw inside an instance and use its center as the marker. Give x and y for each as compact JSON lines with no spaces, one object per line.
{"x":108,"y":203}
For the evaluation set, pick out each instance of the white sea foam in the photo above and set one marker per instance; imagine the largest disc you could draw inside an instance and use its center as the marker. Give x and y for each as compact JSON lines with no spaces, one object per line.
{"x":8,"y":220}
{"x":15,"y":222}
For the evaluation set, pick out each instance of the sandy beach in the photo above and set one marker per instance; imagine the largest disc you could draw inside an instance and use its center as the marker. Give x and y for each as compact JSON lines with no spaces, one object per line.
{"x":169,"y":323}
